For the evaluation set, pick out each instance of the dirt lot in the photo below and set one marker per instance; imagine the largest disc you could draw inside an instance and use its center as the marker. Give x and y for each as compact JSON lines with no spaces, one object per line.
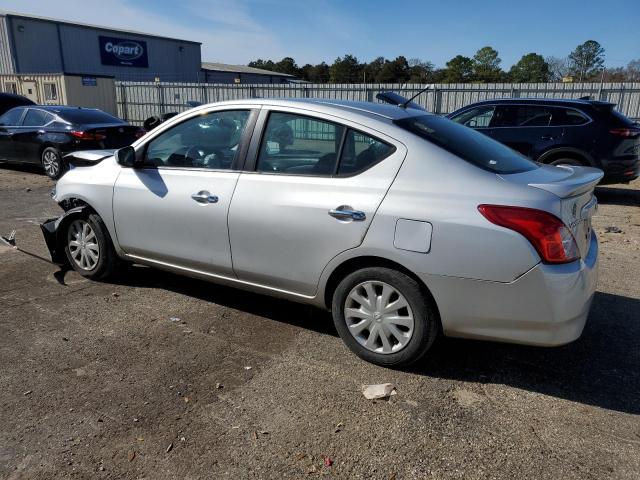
{"x":97,"y":381}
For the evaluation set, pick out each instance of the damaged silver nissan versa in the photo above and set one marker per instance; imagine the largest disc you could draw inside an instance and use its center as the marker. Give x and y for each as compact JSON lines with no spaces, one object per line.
{"x":402,"y":223}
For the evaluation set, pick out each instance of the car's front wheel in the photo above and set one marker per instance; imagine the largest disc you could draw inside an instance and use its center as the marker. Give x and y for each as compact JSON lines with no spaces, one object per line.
{"x":88,"y":247}
{"x":52,"y":162}
{"x":384,"y":316}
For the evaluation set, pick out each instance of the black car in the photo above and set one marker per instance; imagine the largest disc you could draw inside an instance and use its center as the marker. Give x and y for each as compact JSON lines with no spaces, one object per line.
{"x":42,"y":135}
{"x":557,"y":132}
{"x":10,"y":100}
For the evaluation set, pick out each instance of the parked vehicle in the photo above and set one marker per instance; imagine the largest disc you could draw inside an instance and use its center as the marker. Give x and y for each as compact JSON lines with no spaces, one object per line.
{"x":10,"y":100}
{"x":43,"y":134}
{"x":400,"y":222}
{"x":561,"y":132}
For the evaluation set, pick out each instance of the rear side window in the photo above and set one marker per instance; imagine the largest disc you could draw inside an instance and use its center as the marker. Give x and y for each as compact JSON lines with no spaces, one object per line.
{"x":360,"y":152}
{"x":526,"y":116}
{"x":568,"y":117}
{"x":472,"y":146}
{"x":299,"y":145}
{"x":83,"y":116}
{"x":12,"y":117}
{"x":36,"y":118}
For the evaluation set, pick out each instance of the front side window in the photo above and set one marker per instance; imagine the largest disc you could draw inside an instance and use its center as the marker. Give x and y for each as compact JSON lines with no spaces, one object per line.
{"x":36,"y":118}
{"x":210,"y":140}
{"x":470,"y":145}
{"x":12,"y":117}
{"x":478,"y":117}
{"x":299,"y":145}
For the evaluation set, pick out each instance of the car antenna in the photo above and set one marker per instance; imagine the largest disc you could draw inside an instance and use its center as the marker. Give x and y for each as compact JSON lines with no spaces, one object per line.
{"x":428,"y":87}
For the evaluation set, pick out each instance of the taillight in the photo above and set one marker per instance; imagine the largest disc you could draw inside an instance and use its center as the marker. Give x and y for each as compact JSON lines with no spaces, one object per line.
{"x":551,"y":238}
{"x":625,"y":132}
{"x":80,"y":135}
{"x":140,"y":133}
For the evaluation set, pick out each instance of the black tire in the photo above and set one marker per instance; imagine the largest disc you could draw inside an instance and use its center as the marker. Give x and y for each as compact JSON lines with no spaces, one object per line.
{"x":107,"y":262}
{"x":52,"y":162}
{"x":426,"y":321}
{"x":567,"y":161}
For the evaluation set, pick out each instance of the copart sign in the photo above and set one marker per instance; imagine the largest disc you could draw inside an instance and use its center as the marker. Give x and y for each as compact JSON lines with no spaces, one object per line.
{"x":123,"y":52}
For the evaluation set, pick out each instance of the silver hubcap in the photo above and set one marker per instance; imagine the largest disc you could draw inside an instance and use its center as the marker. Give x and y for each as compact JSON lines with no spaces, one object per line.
{"x":379,"y":317}
{"x":83,"y":245}
{"x":50,"y":163}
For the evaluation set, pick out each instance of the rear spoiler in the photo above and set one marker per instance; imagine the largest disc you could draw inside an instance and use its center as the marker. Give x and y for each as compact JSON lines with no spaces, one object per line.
{"x":398,"y":100}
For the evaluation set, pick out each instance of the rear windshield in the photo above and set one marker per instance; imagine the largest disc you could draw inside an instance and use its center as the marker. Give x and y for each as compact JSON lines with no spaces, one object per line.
{"x":86,"y":117}
{"x":466,"y":143}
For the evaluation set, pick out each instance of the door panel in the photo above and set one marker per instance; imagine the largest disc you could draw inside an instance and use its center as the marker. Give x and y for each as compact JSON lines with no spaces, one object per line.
{"x":7,"y":146}
{"x":157,"y":218}
{"x":281,"y":232}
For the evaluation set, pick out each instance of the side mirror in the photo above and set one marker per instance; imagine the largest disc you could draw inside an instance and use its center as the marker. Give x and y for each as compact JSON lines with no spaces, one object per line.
{"x":126,"y":156}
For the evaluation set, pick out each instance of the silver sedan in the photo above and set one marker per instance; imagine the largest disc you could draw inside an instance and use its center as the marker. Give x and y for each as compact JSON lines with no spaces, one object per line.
{"x":404,"y":224}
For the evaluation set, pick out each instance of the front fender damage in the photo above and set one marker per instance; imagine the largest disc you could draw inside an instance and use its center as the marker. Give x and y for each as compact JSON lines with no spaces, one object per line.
{"x":53,"y":233}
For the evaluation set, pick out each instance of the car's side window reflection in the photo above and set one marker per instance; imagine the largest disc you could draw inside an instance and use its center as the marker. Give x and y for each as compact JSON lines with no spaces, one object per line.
{"x":210,"y":141}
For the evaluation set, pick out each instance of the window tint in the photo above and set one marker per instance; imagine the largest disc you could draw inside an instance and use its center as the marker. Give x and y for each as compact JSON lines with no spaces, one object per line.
{"x":12,"y":117}
{"x":207,"y":141}
{"x":567,"y":116}
{"x":472,"y":146}
{"x":299,"y":145}
{"x":360,"y":152}
{"x":526,"y":116}
{"x":87,"y":116}
{"x":478,"y":117}
{"x":36,"y":118}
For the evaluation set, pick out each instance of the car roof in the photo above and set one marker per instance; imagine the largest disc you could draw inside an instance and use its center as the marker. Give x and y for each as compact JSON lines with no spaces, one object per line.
{"x":379,"y":111}
{"x":62,"y":108}
{"x":16,"y":98}
{"x":569,"y":102}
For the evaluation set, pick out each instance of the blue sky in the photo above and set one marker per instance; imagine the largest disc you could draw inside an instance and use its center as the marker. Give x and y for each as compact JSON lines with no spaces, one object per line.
{"x":237,"y":31}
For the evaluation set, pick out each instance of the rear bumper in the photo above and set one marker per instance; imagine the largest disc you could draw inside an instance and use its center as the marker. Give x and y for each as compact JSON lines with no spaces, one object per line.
{"x":620,"y":171}
{"x":547,"y":306}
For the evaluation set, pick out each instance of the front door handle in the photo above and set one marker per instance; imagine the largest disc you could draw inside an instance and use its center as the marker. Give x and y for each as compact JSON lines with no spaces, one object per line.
{"x":345,"y":212}
{"x":547,"y":137}
{"x":204,"y":197}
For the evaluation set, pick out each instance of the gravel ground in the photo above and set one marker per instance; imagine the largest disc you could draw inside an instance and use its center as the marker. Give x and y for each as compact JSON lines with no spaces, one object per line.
{"x":97,"y":381}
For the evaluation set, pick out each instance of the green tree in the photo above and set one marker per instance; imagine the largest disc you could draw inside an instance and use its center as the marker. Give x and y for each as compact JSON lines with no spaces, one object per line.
{"x":486,"y":65}
{"x":459,"y":69}
{"x":345,"y":70}
{"x":287,"y":65}
{"x":315,"y":73}
{"x":263,"y":64}
{"x":420,"y":71}
{"x":586,"y":60}
{"x":372,"y":69}
{"x":530,"y":68}
{"x":394,"y":71}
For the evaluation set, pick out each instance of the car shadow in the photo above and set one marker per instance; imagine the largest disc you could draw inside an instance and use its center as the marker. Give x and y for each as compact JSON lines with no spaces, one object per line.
{"x":618,"y":196}
{"x":21,"y":167}
{"x":602,"y":368}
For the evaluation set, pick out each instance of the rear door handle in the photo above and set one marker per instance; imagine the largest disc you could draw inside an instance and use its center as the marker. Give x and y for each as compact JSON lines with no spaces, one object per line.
{"x":548,"y":137}
{"x":345,"y":212}
{"x":204,"y":197}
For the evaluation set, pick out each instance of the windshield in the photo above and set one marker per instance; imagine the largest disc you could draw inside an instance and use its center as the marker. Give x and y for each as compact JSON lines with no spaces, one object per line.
{"x":84,"y":116}
{"x":472,"y":146}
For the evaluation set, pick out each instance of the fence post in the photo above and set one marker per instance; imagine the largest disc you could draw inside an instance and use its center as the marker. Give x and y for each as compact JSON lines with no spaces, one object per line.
{"x":204,"y":94}
{"x":437,"y":101}
{"x":161,"y":98}
{"x":125,"y":108}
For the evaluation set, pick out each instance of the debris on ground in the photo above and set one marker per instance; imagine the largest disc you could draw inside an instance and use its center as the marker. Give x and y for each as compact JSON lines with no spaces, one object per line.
{"x":381,"y":390}
{"x":613,"y":229}
{"x":28,"y":392}
{"x":219,"y":386}
{"x":327,"y":461}
{"x":170,"y":447}
{"x":174,"y":319}
{"x":115,"y":294}
{"x":247,"y":368}
{"x":339,"y":427}
{"x":131,"y":455}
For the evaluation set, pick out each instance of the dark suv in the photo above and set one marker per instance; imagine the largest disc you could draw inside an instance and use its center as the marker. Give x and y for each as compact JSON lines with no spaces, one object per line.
{"x":557,"y":132}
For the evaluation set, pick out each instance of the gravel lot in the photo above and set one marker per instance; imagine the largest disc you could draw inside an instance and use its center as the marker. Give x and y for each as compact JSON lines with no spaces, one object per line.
{"x":97,"y":381}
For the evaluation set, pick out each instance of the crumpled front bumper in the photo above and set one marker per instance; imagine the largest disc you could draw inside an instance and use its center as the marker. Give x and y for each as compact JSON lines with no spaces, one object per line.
{"x":52,"y":231}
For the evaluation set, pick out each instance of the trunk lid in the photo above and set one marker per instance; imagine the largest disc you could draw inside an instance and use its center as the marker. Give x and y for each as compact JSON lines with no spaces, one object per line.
{"x":116,"y":135}
{"x":574,"y":186}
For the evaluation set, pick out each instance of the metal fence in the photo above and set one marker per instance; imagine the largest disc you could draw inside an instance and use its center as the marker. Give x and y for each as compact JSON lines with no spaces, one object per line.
{"x":140,"y":100}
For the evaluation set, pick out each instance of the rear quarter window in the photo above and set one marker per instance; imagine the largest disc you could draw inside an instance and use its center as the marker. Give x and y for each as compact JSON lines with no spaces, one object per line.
{"x":471,"y":146}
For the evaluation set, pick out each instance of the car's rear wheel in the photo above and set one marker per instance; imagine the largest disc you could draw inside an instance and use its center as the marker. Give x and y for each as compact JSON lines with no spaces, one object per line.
{"x":384,"y":316}
{"x":52,"y":162}
{"x":568,"y":161}
{"x":88,"y":247}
